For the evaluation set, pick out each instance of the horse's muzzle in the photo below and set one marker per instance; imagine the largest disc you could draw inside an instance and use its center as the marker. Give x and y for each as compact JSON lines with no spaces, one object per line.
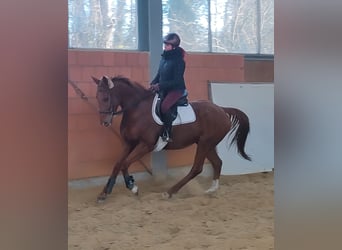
{"x":106,"y":120}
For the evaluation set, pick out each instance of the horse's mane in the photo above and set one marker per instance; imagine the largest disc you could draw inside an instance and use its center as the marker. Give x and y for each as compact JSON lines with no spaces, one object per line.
{"x":128,"y":82}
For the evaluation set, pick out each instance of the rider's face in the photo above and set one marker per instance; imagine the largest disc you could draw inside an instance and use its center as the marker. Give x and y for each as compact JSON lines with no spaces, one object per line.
{"x":167,"y":46}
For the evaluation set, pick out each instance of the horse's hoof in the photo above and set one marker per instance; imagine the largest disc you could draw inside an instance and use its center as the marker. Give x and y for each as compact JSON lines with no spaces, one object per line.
{"x":135,"y":190}
{"x":166,"y":195}
{"x":214,"y":187}
{"x":101,"y":198}
{"x":210,"y":191}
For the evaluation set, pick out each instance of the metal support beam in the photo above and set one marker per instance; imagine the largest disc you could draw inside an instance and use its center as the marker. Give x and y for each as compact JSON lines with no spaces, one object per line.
{"x":143,"y":27}
{"x":155,"y":21}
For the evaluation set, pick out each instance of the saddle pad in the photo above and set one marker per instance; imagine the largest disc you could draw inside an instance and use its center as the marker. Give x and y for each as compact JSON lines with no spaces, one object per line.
{"x":185,"y":114}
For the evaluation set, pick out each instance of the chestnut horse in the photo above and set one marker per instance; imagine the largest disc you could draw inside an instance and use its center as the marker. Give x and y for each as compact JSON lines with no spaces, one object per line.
{"x":140,"y":132}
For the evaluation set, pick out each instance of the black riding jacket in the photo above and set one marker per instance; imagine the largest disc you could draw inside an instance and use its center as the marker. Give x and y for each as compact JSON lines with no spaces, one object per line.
{"x":171,"y":70}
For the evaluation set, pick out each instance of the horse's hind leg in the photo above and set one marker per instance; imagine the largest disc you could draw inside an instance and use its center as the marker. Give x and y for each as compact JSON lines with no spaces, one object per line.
{"x":216,"y":163}
{"x":196,"y":169}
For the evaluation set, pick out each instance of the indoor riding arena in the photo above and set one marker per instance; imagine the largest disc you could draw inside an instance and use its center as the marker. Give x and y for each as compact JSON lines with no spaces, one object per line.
{"x":233,"y":69}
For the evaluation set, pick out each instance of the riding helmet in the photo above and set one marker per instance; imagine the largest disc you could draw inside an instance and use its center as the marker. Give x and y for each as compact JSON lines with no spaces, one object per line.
{"x":173,"y":39}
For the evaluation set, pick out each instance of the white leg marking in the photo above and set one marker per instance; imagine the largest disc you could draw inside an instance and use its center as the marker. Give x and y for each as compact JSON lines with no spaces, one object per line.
{"x":165,"y":195}
{"x":135,"y":189}
{"x":214,"y":186}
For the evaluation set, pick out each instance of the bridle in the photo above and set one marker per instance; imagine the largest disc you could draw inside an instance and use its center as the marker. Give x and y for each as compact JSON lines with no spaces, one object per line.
{"x":112,"y":113}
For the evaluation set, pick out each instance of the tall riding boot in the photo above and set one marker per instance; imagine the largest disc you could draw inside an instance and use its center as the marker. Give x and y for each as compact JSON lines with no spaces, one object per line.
{"x":167,"y":132}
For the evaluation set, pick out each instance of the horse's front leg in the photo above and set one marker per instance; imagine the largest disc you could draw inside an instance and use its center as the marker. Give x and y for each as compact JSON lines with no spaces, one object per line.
{"x":139,"y":151}
{"x":116,"y":169}
{"x":129,"y":181}
{"x":129,"y":156}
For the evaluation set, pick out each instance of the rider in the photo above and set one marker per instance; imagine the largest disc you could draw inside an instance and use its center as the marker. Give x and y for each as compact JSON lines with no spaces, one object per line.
{"x":169,"y":81}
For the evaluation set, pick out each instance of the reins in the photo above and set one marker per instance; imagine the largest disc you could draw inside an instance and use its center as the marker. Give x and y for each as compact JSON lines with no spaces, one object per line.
{"x":81,"y":94}
{"x":134,"y":104}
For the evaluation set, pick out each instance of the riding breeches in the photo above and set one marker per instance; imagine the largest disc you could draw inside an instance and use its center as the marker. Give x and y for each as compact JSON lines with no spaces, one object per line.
{"x":170,"y":99}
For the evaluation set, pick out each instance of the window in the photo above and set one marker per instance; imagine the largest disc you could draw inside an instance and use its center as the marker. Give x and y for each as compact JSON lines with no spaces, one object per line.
{"x":189,"y":19}
{"x":105,"y":24}
{"x":267,"y":27}
{"x":233,"y":26}
{"x":222,"y":26}
{"x":225,"y":26}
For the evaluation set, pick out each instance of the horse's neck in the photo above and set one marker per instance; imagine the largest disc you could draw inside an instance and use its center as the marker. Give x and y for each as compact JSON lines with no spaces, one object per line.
{"x":130,"y":96}
{"x":136,"y":109}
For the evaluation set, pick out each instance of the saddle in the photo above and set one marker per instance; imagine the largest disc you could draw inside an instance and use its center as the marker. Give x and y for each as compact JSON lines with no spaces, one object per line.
{"x":182,"y":111}
{"x":183,"y":101}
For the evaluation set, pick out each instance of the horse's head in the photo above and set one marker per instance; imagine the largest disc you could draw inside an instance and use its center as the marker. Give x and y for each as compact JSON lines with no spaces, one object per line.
{"x":106,"y":101}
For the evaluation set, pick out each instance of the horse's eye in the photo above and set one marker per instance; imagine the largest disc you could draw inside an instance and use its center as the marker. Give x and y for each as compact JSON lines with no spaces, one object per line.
{"x":105,"y":99}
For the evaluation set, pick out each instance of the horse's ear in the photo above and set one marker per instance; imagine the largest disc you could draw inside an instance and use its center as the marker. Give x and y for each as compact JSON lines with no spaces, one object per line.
{"x":110,"y":82}
{"x":97,"y":81}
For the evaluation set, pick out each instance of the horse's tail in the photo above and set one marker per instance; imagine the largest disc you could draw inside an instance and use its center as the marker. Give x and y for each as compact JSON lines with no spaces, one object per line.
{"x":240,"y":124}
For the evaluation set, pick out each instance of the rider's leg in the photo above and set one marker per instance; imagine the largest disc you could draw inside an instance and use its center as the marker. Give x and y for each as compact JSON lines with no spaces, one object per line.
{"x":167,"y":110}
{"x":168,"y":118}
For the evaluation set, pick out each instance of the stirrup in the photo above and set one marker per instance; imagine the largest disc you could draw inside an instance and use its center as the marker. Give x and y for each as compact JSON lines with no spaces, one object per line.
{"x":166,"y":137}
